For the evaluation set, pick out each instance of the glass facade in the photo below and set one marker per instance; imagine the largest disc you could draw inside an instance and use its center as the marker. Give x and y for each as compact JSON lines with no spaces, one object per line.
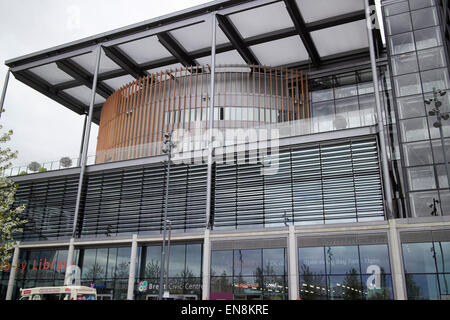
{"x":418,"y":63}
{"x":252,"y":274}
{"x":345,"y":273}
{"x":427,"y":270}
{"x":185,"y":271}
{"x":339,"y":96}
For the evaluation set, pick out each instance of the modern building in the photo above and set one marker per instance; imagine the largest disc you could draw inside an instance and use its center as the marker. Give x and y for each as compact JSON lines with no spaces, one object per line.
{"x":325,"y":176}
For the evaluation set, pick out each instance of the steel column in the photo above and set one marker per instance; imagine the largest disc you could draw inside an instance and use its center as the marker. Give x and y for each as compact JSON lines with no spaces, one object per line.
{"x":207,"y":242}
{"x":12,"y":275}
{"x":211,"y":120}
{"x":86,"y":142}
{"x":5,"y":87}
{"x":384,"y":159}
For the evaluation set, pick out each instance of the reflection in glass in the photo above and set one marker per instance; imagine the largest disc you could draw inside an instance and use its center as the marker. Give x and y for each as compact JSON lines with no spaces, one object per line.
{"x":342,"y":260}
{"x":418,"y":153}
{"x":374,"y":255}
{"x":407,"y":85}
{"x":221,"y":285}
{"x":414,"y":129}
{"x":273,"y":261}
{"x":419,"y":257}
{"x":311,"y":261}
{"x":431,"y":58}
{"x":427,"y":38}
{"x":424,"y":18}
{"x":405,"y":63}
{"x":399,"y":23}
{"x":152,"y":261}
{"x":422,"y":287}
{"x":411,"y":107}
{"x":193,"y":260}
{"x":348,"y":287}
{"x":402,"y":43}
{"x":420,"y":203}
{"x":313,"y":287}
{"x":221,"y":263}
{"x":374,"y":289}
{"x":177,"y":260}
{"x":421,"y":178}
{"x":88,"y":268}
{"x":434,"y":79}
{"x":247,"y":262}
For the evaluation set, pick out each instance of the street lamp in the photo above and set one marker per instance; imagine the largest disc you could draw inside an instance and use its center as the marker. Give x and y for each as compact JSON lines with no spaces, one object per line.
{"x":168,"y":145}
{"x":438,"y":124}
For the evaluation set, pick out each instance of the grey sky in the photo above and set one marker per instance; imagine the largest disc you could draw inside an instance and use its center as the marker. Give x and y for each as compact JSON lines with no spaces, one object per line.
{"x":43,"y":129}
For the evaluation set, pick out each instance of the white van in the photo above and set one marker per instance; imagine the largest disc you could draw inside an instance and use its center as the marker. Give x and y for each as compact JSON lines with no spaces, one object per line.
{"x":59,"y":293}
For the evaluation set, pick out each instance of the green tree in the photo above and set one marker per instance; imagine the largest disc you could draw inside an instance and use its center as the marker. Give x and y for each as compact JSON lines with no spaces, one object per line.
{"x":10,"y":219}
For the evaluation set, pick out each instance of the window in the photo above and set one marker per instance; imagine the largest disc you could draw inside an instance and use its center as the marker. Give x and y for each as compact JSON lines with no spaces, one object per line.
{"x":403,"y":43}
{"x":399,"y":23}
{"x":427,"y":38}
{"x":405,"y":63}
{"x":425,"y":270}
{"x":418,"y":153}
{"x":249,"y":273}
{"x":421,"y":201}
{"x":418,"y":4}
{"x":414,"y":129}
{"x":345,"y":272}
{"x":434,"y":79}
{"x":396,"y":8}
{"x":421,"y":178}
{"x":407,"y":85}
{"x":431,"y":58}
{"x":411,"y":107}
{"x":424,"y":18}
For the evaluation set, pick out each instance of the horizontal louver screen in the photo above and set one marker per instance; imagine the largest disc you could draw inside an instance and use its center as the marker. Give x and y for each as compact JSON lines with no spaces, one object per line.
{"x":132,"y":201}
{"x":318,"y":184}
{"x":50,"y":208}
{"x":325,"y":183}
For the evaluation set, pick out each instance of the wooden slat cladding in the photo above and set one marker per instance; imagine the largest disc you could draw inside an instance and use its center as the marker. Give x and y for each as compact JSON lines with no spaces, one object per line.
{"x":136,"y":116}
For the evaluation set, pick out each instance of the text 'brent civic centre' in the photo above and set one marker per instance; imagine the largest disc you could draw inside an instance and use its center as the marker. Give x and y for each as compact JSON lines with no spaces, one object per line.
{"x":308,"y":155}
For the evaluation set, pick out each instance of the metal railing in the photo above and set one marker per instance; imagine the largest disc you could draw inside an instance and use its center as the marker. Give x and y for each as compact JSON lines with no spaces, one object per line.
{"x":195,"y":139}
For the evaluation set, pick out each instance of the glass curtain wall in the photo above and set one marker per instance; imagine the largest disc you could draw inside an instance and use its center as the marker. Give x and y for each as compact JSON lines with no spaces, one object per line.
{"x":360,"y":272}
{"x":253,"y":274}
{"x":427,"y":270}
{"x":36,"y":269}
{"x":417,"y":54}
{"x":185,"y":272}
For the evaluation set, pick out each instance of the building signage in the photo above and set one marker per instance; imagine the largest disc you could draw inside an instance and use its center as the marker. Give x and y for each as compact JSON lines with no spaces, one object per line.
{"x":144,"y":286}
{"x":38,"y":265}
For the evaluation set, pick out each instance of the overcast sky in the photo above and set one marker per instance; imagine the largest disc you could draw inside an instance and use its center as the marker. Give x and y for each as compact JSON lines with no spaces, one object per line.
{"x":43,"y":129}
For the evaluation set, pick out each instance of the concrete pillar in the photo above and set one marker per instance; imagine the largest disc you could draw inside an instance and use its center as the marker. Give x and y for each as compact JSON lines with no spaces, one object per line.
{"x":69,"y":260}
{"x":206,"y":277}
{"x":12,"y":274}
{"x":292,"y":257}
{"x":395,"y":252}
{"x":132,"y":273}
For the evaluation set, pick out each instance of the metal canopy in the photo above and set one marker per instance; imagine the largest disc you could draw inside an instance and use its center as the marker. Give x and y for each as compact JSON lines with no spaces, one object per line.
{"x":291,"y":33}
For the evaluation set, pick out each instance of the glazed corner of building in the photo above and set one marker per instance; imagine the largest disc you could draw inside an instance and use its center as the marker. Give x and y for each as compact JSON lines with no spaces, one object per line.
{"x":414,"y":60}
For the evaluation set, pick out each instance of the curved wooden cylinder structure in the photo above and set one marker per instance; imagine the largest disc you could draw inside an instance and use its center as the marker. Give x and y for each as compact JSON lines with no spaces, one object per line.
{"x":136,"y":116}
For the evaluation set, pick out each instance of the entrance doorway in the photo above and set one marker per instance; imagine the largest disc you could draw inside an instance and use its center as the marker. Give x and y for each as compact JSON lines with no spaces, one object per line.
{"x":247,"y":297}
